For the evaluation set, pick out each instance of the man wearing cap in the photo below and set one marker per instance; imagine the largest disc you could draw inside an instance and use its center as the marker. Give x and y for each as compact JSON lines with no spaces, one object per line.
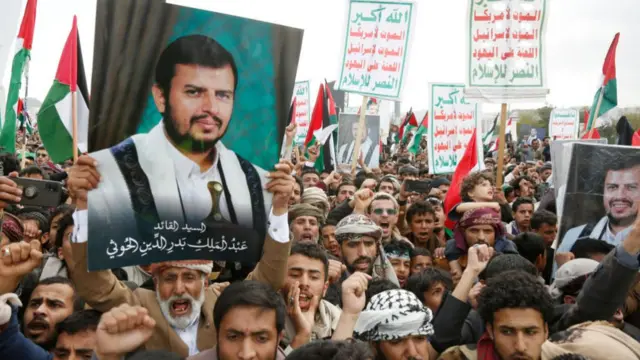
{"x":360,"y":241}
{"x":305,"y":221}
{"x":182,"y":303}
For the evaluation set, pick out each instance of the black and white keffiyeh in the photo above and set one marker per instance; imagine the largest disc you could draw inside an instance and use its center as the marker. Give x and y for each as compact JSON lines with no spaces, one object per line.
{"x":392,"y":315}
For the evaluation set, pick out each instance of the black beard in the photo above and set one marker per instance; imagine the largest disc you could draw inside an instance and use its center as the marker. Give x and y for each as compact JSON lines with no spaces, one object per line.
{"x":185,"y":141}
{"x":625,"y":221}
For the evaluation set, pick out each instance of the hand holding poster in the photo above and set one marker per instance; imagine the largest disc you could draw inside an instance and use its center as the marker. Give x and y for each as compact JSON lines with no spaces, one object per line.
{"x":376,"y":47}
{"x":453,"y":121}
{"x":506,"y":43}
{"x":563,"y":124}
{"x":302,"y":116}
{"x":208,"y":93}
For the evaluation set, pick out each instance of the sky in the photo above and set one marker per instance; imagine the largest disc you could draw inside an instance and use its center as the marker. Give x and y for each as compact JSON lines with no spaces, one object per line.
{"x":577,"y":38}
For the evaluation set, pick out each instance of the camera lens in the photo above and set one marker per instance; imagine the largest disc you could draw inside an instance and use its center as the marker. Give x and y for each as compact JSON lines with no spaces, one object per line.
{"x":30,"y":192}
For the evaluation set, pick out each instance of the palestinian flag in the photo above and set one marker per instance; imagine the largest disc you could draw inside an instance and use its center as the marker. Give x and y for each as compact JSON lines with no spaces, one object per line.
{"x":405,"y":121}
{"x":55,"y":115}
{"x":330,"y":118}
{"x":317,"y":117}
{"x":468,"y":163}
{"x":607,"y":95}
{"x":20,"y":59}
{"x":23,"y":117}
{"x":414,"y":147}
{"x":486,"y":138}
{"x":409,"y":125}
{"x":494,"y":147}
{"x":626,"y":134}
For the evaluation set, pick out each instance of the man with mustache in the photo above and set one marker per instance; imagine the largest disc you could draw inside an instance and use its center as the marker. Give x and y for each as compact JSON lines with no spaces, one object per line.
{"x":194,"y":89}
{"x":182,"y":302}
{"x":359,"y":238}
{"x":621,"y":191}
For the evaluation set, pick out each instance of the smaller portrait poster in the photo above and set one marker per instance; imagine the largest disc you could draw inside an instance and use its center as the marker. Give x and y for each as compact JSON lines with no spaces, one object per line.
{"x":601,"y":196}
{"x":370,"y":146}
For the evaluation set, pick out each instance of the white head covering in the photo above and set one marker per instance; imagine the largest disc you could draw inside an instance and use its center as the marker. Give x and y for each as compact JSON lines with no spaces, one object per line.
{"x":393,"y":314}
{"x":569,"y":271}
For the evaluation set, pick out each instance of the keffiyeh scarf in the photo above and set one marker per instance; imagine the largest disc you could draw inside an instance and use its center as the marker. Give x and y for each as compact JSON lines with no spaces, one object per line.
{"x":481,"y":216}
{"x":392,"y":315}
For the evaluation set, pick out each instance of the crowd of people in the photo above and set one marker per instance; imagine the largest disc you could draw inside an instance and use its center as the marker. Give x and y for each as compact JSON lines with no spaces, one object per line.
{"x":359,"y":268}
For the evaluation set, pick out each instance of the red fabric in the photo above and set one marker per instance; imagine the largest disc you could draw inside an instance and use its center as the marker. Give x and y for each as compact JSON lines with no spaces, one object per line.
{"x":68,"y":66}
{"x":332,"y":103}
{"x":28,"y":24}
{"x":425,"y":120}
{"x":467,"y":163}
{"x":316,"y":115}
{"x":485,"y":349}
{"x":404,"y":123}
{"x":635,"y":140}
{"x":591,"y":134}
{"x":609,"y":67}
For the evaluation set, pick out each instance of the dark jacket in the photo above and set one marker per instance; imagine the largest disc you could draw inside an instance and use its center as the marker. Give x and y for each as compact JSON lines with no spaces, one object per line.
{"x":14,"y":346}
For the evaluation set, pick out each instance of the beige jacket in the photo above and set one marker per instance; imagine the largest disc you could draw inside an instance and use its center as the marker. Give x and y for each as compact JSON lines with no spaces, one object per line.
{"x":326,"y":321}
{"x":102,"y":291}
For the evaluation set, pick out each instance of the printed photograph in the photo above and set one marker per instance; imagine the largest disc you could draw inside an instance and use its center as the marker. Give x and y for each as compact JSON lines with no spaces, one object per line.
{"x":603,"y":187}
{"x":186,"y":179}
{"x":370,"y":145}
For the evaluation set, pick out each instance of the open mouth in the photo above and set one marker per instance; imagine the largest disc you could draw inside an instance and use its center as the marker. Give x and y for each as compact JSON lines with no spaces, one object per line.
{"x":37,"y":327}
{"x":305,"y":301}
{"x":181,"y":307}
{"x":385,"y":226}
{"x":402,"y":280}
{"x":307,"y":237}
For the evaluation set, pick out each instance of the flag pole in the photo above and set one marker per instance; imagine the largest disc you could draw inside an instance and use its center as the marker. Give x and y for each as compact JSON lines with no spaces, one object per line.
{"x":356,"y":148}
{"x":74,"y":122}
{"x":503,"y":125}
{"x":23,"y":161}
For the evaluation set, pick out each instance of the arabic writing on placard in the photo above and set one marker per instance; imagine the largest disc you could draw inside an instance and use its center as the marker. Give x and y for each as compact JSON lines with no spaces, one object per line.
{"x":302,"y":116}
{"x":563,"y":124}
{"x":376,"y":46}
{"x":453,"y":120}
{"x":169,"y":237}
{"x":506,"y":43}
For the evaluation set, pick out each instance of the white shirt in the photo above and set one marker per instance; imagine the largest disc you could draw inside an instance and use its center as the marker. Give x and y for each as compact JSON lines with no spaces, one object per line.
{"x":189,"y":336}
{"x":348,"y":149}
{"x":192,"y":184}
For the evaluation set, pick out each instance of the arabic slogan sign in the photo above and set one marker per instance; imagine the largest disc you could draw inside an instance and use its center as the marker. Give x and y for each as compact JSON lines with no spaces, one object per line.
{"x":453,"y":120}
{"x":506,"y":49}
{"x":376,"y":47}
{"x":147,"y":207}
{"x":301,"y":93}
{"x":564,"y":124}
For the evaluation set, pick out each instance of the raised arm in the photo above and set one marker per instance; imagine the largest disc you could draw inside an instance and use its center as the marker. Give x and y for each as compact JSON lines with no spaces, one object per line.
{"x":273,"y":265}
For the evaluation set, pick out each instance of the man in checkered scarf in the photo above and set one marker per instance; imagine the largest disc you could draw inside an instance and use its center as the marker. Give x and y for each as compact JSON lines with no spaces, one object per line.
{"x":397,"y":325}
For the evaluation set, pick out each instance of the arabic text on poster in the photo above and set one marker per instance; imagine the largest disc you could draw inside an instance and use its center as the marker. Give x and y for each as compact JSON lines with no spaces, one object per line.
{"x":376,"y":45}
{"x":302,"y":116}
{"x":563,"y":124}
